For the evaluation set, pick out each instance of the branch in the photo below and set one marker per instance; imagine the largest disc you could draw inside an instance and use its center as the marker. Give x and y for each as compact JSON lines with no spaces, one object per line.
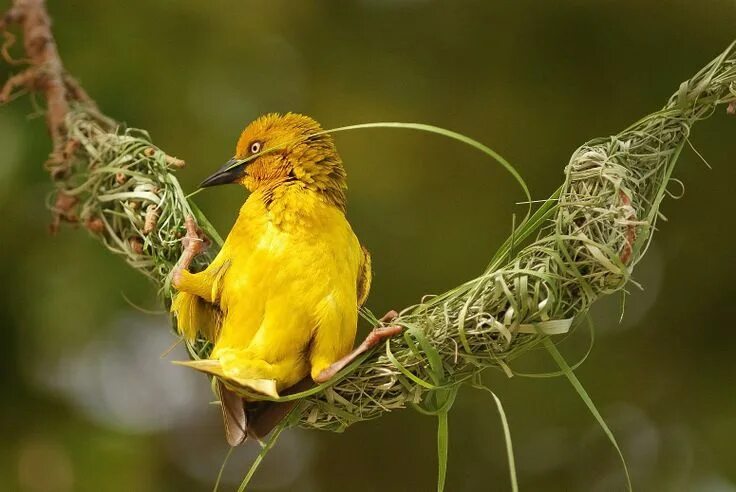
{"x":44,"y":74}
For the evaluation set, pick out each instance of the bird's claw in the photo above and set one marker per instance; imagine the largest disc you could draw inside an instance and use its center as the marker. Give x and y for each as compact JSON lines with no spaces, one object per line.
{"x":193,"y":244}
{"x":192,"y":241}
{"x":380,"y":333}
{"x":389,"y":316}
{"x":383,"y":332}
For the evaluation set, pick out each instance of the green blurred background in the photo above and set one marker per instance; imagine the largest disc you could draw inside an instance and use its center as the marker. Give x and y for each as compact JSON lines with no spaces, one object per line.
{"x":89,"y":404}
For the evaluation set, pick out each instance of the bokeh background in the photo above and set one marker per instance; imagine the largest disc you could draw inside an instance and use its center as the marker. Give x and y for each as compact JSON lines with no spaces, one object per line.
{"x":88,"y":403}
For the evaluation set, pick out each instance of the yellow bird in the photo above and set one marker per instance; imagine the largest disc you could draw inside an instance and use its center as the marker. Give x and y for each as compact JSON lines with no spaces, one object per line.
{"x":280,"y":301}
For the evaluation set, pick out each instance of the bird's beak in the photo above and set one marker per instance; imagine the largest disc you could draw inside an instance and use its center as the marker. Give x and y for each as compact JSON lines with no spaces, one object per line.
{"x":229,"y":173}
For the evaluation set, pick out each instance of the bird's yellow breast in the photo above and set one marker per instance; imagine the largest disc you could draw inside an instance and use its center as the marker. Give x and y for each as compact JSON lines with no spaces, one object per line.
{"x":293,"y":266}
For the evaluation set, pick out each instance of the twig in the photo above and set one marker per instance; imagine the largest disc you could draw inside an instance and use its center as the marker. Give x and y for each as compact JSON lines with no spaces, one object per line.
{"x":23,"y":79}
{"x":46,"y":72}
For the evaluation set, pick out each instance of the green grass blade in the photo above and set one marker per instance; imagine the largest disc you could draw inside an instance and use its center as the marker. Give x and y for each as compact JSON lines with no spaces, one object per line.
{"x":557,"y":356}
{"x":555,"y":374}
{"x":206,"y":225}
{"x":445,"y":133}
{"x":442,"y":443}
{"x":222,"y":468}
{"x":257,"y":462}
{"x":528,"y":226}
{"x":506,"y":436}
{"x":413,"y":126}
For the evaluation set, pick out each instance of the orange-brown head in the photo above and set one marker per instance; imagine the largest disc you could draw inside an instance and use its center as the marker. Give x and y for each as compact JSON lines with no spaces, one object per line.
{"x":288,"y":149}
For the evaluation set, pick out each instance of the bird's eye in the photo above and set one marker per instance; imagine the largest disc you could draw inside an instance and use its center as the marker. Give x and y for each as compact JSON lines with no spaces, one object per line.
{"x":255,"y":147}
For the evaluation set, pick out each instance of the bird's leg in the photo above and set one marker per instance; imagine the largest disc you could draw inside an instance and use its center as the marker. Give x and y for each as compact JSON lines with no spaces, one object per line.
{"x":270,"y":413}
{"x":193,"y":245}
{"x":378,"y":334}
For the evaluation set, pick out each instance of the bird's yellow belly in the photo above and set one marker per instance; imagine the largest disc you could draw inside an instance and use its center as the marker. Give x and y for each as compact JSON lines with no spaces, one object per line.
{"x":280,"y":288}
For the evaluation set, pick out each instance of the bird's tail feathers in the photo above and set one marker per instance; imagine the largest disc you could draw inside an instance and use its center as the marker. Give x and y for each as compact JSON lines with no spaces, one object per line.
{"x":233,"y":415}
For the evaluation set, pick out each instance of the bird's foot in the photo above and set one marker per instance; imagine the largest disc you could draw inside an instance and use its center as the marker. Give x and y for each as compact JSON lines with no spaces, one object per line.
{"x":192,"y":244}
{"x":382,"y":332}
{"x":389,"y":316}
{"x":376,"y":336}
{"x":192,"y":241}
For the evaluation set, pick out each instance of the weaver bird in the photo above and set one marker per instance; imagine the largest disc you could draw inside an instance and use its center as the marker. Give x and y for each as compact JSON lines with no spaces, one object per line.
{"x":280,"y":300}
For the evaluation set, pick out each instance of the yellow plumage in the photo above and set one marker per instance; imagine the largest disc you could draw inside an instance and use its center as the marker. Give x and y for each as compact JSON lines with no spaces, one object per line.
{"x":280,"y":300}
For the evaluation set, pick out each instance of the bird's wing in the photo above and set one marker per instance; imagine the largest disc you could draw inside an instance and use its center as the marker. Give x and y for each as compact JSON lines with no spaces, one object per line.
{"x":365,"y":274}
{"x":195,"y":316}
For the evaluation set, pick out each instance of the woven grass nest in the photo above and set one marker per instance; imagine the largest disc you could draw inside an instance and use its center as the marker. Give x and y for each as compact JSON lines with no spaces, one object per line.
{"x":578,"y":245}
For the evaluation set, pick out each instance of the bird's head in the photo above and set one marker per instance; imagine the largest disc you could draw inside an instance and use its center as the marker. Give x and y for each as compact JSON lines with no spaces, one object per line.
{"x":281,"y":149}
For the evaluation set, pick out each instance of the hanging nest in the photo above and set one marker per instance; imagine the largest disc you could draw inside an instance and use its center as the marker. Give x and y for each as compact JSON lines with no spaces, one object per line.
{"x":580,"y":244}
{"x":123,"y":191}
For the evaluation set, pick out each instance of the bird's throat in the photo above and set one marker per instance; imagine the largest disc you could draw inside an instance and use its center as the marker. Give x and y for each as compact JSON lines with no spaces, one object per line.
{"x":290,"y":193}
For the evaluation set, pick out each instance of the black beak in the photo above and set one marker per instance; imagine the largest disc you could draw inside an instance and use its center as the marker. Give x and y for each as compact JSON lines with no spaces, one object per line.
{"x":230,"y":172}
